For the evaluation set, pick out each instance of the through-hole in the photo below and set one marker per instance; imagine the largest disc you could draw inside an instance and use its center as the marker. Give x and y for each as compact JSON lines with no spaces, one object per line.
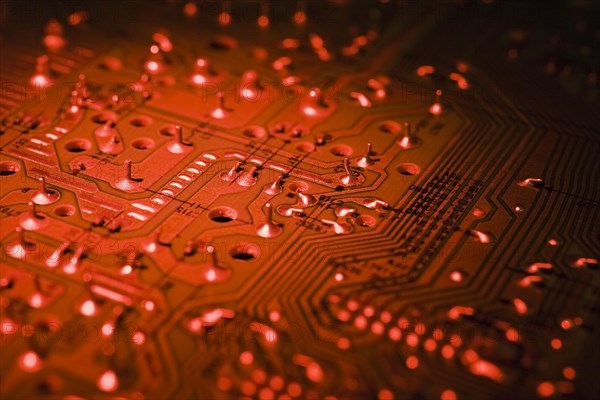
{"x":222,"y":214}
{"x":408,"y":169}
{"x":142,"y":143}
{"x":8,"y":168}
{"x":78,"y":145}
{"x":244,"y":252}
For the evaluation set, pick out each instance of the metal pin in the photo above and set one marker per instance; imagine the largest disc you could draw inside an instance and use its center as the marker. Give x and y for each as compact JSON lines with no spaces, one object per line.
{"x":268,"y":213}
{"x":268,"y":229}
{"x":366,"y":160}
{"x":306,"y":200}
{"x":106,"y":130}
{"x":318,"y":97}
{"x":32,"y":220}
{"x":232,"y":173}
{"x":210,"y":249}
{"x":275,"y":187}
{"x":289,"y":210}
{"x":190,"y":248}
{"x":339,"y":227}
{"x":220,"y":111}
{"x":146,"y":79}
{"x":75,"y":100}
{"x":202,"y":66}
{"x":81,"y":83}
{"x":130,"y":263}
{"x":128,"y":169}
{"x":263,"y":19}
{"x":436,"y":108}
{"x":145,"y":86}
{"x":150,"y":244}
{"x":41,"y":76}
{"x":41,"y":64}
{"x":156,"y":60}
{"x":21,"y":237}
{"x":179,"y":144}
{"x":72,"y":265}
{"x":43,"y":195}
{"x":180,"y":136}
{"x":32,"y":210}
{"x":250,"y":77}
{"x":408,"y":140}
{"x":247,"y":178}
{"x":349,"y":179}
{"x":55,"y":259}
{"x":20,"y":249}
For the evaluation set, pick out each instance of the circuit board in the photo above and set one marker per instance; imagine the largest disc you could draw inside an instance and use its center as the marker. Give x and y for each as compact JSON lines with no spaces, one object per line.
{"x":299,"y":199}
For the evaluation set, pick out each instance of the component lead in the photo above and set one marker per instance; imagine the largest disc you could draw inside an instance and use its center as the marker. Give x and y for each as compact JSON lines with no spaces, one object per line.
{"x":43,"y":195}
{"x":73,"y":264}
{"x":349,"y":179}
{"x":41,"y":76}
{"x":180,"y":139}
{"x":129,"y":182}
{"x":268,"y":229}
{"x":408,"y":141}
{"x":32,"y":220}
{"x":275,"y":187}
{"x":128,"y":169}
{"x":230,"y":175}
{"x":436,"y":108}
{"x":306,"y":200}
{"x":20,"y":249}
{"x":247,"y":178}
{"x":220,"y":111}
{"x":366,"y":160}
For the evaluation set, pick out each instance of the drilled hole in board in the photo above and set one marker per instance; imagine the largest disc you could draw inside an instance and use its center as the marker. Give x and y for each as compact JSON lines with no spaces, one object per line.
{"x":341,"y":150}
{"x":78,"y":145}
{"x":64,"y":211}
{"x":142,"y":143}
{"x":141,"y":121}
{"x":8,"y":168}
{"x":245,"y":252}
{"x":222,"y":214}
